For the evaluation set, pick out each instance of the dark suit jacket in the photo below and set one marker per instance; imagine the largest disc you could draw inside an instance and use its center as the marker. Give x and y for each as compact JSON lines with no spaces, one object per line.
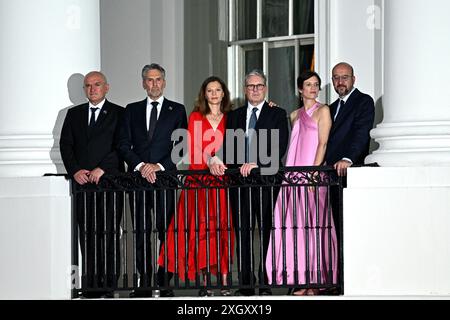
{"x":134,"y":144}
{"x":270,"y":119}
{"x":85,"y":148}
{"x":349,"y":135}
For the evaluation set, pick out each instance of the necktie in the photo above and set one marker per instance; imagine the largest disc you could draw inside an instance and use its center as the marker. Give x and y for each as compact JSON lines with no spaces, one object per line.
{"x":92,"y":120}
{"x":340,"y":105}
{"x":251,"y":125}
{"x":153,"y":118}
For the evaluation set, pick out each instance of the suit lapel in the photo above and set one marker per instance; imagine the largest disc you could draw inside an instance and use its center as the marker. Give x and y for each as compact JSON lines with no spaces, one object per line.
{"x":84,"y":118}
{"x":333,"y":108}
{"x":164,"y":115}
{"x":103,"y":114}
{"x":141,"y":116}
{"x":344,"y":111}
{"x":262,"y":116}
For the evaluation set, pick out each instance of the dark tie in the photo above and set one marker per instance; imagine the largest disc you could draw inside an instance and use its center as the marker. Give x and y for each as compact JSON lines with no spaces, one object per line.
{"x":92,"y":120}
{"x":251,"y":125}
{"x":338,"y":109}
{"x":153,"y":118}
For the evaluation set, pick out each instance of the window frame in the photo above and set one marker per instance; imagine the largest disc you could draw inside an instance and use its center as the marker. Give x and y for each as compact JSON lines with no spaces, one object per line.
{"x":237,"y":48}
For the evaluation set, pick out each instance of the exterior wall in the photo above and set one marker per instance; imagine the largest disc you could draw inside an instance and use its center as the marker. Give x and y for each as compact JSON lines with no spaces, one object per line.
{"x":35,"y":238}
{"x":140,"y":32}
{"x":398,"y":244}
{"x":183,"y":36}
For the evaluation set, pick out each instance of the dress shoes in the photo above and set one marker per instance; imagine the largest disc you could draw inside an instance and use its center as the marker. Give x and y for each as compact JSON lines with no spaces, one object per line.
{"x":205,"y":293}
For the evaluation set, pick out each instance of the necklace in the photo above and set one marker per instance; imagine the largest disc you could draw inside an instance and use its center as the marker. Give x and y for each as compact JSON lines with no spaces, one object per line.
{"x":215,"y":117}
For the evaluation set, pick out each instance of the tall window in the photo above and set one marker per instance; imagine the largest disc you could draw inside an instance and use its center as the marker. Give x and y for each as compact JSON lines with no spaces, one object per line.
{"x":276,"y":36}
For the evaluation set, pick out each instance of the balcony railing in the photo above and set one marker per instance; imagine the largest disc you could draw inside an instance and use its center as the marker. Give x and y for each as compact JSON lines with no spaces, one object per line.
{"x":192,"y":230}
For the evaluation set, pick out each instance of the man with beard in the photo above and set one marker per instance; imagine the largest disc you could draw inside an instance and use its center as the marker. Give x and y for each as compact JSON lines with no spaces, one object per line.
{"x":348,"y":144}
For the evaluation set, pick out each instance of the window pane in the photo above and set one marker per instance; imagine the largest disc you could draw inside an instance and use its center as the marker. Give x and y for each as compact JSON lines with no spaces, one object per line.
{"x":253,"y":60}
{"x":282,"y":78}
{"x":303,"y":16}
{"x":275,"y":18}
{"x":246,"y":11}
{"x":306,"y":58}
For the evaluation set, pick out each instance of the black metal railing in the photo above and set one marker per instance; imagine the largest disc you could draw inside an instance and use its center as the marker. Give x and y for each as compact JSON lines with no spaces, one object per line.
{"x":192,"y":230}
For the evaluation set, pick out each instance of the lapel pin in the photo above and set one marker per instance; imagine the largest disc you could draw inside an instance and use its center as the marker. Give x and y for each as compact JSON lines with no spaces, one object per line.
{"x":170,"y":108}
{"x":105,"y":112}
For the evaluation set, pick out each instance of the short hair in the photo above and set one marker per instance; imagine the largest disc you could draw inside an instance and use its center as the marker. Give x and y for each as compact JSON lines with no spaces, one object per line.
{"x":345,"y":64}
{"x":201,"y":105}
{"x":305,"y":75}
{"x":256,"y":72}
{"x":96,"y":73}
{"x":153,"y":66}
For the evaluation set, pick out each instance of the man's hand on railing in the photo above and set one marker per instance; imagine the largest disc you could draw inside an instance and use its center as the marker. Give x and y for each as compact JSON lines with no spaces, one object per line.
{"x":148,"y":171}
{"x":341,"y":167}
{"x":246,"y":168}
{"x":81,"y":176}
{"x":95,"y":175}
{"x":216,"y":166}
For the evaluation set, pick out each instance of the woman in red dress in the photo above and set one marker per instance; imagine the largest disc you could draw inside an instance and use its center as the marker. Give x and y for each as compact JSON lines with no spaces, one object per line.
{"x":215,"y":235}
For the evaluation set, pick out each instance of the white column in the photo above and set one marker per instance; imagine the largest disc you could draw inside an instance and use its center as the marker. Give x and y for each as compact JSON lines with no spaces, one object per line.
{"x":416,"y":126}
{"x":46,"y":47}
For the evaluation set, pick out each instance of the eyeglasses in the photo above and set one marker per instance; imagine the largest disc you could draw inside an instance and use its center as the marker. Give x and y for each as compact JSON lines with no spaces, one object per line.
{"x":343,"y":78}
{"x":252,"y":87}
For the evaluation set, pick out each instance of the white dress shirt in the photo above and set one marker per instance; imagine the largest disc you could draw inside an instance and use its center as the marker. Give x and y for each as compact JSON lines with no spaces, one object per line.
{"x":97,"y":112}
{"x":147,"y":117}
{"x":250,"y":111}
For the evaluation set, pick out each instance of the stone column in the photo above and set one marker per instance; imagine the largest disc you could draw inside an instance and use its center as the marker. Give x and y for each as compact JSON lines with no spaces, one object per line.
{"x":416,"y":126}
{"x":47,"y":46}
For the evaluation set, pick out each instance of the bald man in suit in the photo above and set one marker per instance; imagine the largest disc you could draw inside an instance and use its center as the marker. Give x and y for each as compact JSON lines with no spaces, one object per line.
{"x":88,"y":143}
{"x":353,"y":115}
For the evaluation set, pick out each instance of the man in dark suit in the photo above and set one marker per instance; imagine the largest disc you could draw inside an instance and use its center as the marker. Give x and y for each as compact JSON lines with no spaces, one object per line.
{"x":88,"y":144}
{"x":146,"y":145}
{"x":353,"y":115}
{"x":254,"y":119}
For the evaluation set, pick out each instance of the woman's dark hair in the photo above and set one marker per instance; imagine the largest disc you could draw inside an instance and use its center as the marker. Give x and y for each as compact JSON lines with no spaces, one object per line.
{"x":305,"y":75}
{"x":201,"y":104}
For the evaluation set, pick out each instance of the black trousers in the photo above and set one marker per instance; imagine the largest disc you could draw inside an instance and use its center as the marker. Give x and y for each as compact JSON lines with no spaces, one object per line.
{"x":251,"y":205}
{"x":146,"y":207}
{"x":98,"y":218}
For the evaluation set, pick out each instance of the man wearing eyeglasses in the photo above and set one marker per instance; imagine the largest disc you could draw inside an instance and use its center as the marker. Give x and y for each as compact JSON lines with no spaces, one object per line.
{"x":255,"y":118}
{"x":353,"y":115}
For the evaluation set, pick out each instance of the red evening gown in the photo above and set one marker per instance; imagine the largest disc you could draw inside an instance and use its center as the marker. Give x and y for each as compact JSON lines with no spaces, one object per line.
{"x":203,"y":142}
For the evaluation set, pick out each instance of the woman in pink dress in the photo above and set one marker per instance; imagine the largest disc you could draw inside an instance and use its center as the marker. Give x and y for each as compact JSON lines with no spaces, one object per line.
{"x":312,"y":258}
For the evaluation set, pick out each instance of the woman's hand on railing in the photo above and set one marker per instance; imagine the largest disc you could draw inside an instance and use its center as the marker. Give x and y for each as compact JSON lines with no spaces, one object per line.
{"x":216,"y":166}
{"x":247,"y":168}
